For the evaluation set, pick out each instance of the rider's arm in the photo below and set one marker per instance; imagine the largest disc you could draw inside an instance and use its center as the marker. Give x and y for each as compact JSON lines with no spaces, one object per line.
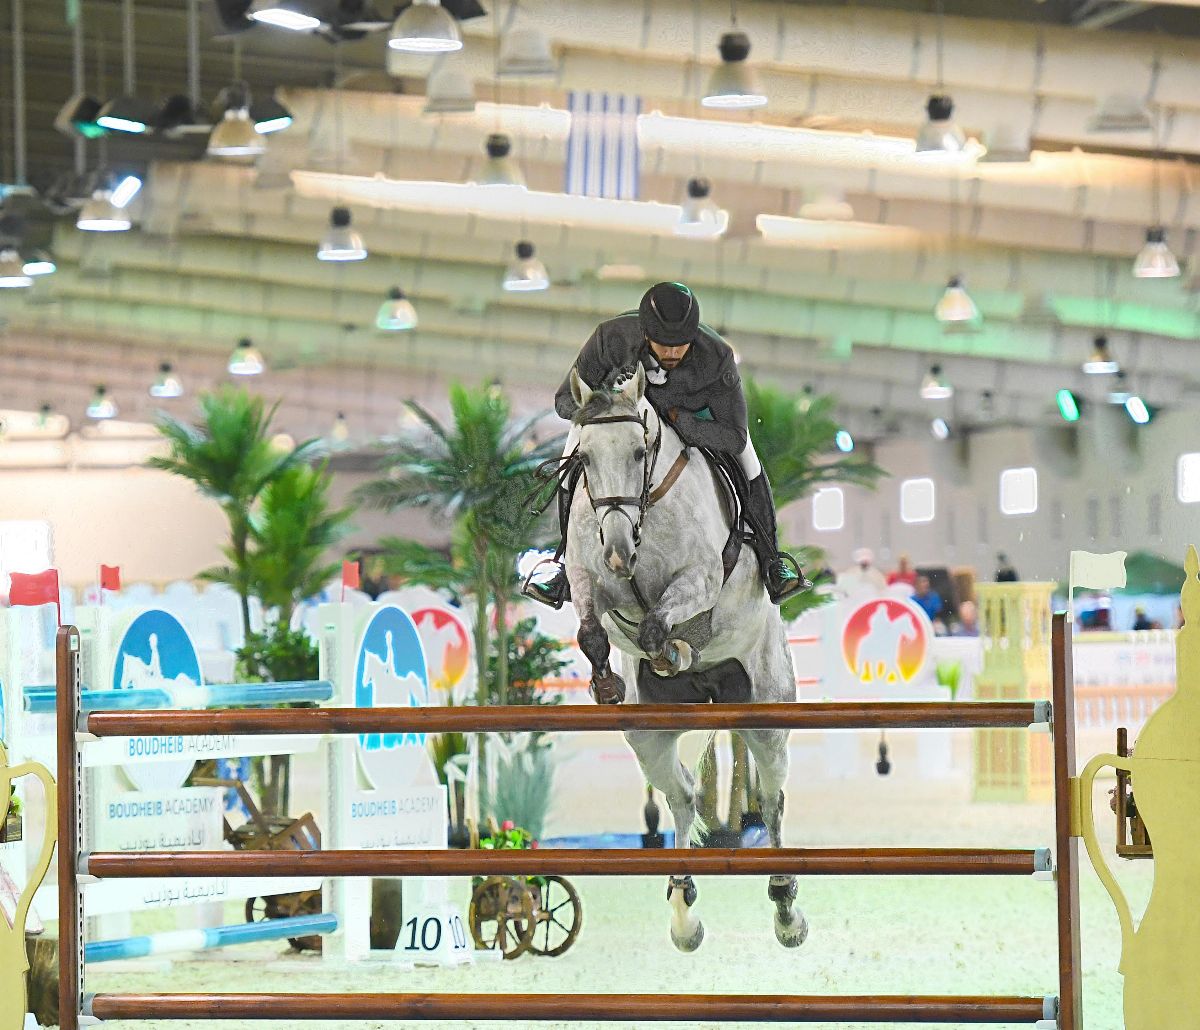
{"x":727,"y":430}
{"x":591,"y":368}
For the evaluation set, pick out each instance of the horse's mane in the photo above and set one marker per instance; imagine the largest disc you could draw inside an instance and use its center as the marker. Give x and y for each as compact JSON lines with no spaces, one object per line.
{"x":606,"y":399}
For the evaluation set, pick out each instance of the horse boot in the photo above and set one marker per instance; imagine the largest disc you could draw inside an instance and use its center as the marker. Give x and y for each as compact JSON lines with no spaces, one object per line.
{"x":780,"y":571}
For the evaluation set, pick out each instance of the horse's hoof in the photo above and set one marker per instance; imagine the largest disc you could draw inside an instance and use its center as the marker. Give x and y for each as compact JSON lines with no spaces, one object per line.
{"x":607,"y":690}
{"x":792,"y":933}
{"x":690,"y":943}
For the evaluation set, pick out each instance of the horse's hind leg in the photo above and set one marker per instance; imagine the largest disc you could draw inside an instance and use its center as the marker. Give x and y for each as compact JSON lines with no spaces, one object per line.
{"x":769,"y":748}
{"x":656,"y":750}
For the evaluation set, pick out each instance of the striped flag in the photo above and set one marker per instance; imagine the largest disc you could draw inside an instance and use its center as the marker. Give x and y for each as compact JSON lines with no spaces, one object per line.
{"x":602,"y":148}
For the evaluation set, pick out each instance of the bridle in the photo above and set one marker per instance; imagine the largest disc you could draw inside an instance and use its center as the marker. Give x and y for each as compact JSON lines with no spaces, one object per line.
{"x":605,"y":506}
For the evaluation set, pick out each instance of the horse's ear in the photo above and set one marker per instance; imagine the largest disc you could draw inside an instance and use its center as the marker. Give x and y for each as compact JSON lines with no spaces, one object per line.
{"x":634,"y":387}
{"x":579,"y":389}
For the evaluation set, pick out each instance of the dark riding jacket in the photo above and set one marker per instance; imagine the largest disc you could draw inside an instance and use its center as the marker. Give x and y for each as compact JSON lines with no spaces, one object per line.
{"x":705,"y":389}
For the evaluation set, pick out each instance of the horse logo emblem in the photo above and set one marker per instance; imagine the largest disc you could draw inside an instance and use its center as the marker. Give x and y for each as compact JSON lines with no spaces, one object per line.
{"x":885,"y":641}
{"x":156,"y":653}
{"x":390,"y":673}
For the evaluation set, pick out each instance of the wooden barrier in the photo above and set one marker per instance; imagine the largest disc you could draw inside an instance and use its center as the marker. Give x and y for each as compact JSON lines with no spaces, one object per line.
{"x":796,"y":715}
{"x":1062,"y":1011}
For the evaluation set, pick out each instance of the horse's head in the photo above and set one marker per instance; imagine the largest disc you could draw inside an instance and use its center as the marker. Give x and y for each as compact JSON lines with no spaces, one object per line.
{"x":613,"y":442}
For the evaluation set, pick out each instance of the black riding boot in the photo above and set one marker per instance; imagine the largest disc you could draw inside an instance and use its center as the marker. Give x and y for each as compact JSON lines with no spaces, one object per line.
{"x":780,"y":572}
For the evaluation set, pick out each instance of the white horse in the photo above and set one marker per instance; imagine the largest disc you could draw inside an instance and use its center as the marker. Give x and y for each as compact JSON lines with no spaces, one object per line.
{"x":878,"y":654}
{"x":644,"y":560}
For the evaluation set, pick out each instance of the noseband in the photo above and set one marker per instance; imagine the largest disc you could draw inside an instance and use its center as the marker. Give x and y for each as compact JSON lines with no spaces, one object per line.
{"x":604,"y":506}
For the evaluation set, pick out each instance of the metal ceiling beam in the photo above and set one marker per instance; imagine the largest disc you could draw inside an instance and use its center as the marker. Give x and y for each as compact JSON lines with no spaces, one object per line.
{"x":1100,"y":14}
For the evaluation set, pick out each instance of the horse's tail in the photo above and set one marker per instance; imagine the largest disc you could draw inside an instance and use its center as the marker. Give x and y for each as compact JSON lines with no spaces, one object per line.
{"x":704,"y":767}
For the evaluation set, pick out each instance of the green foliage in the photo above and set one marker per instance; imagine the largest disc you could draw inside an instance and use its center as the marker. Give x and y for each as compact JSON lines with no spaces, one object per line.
{"x":948,"y":675}
{"x":280,"y":655}
{"x":532,"y":658}
{"x":229,"y":456}
{"x":509,"y":838}
{"x":445,"y":748}
{"x":478,"y":473}
{"x":291,"y":532}
{"x":519,"y":782}
{"x":794,"y":441}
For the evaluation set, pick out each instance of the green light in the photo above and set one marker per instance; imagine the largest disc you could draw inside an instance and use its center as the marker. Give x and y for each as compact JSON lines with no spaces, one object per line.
{"x":1068,"y":406}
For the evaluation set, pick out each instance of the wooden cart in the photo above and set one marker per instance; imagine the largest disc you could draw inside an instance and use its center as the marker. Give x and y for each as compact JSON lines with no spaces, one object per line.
{"x":1133,"y":840}
{"x":273,"y":833}
{"x":517,"y":914}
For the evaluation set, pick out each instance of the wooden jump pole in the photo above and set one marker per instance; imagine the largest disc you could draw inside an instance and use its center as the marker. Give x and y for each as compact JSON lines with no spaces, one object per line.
{"x":1070,"y":985}
{"x":810,"y":715}
{"x":571,"y":862}
{"x":708,"y":1008}
{"x":70,"y":824}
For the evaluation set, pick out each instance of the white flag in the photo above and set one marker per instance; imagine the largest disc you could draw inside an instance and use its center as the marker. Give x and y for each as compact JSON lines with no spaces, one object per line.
{"x":1097,"y":571}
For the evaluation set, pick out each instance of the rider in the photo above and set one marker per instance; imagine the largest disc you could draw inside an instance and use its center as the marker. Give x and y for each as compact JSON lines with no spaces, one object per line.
{"x":692,"y":380}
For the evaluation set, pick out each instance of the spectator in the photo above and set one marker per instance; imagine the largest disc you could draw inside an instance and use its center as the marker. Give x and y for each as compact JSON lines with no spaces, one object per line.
{"x":862,"y":577}
{"x":1140,"y":621}
{"x":968,"y":620}
{"x":928,"y":598}
{"x":1005,"y":573}
{"x":904,"y":573}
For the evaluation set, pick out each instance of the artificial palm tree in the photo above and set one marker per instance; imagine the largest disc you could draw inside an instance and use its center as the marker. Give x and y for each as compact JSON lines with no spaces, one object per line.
{"x":478,"y":472}
{"x":228,"y":454}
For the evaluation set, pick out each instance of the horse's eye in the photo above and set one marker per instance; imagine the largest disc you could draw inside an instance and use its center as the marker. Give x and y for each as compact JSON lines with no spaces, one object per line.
{"x":639,"y":454}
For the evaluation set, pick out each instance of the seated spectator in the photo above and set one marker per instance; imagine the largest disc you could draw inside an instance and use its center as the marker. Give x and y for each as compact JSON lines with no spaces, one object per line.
{"x":928,"y":598}
{"x":903,"y":573}
{"x":967,"y":624}
{"x":862,"y":577}
{"x":1140,"y":621}
{"x":1005,"y":573}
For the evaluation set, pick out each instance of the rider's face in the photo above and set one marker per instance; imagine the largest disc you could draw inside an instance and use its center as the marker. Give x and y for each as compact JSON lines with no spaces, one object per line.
{"x":668,"y":357}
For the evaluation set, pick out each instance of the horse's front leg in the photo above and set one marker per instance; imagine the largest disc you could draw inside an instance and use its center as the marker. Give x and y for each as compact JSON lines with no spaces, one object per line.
{"x":690,"y":594}
{"x":606,"y":687}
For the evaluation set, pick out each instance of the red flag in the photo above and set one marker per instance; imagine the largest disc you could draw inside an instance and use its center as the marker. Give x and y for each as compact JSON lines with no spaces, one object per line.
{"x":34,"y":589}
{"x":110,"y":577}
{"x":350,"y":577}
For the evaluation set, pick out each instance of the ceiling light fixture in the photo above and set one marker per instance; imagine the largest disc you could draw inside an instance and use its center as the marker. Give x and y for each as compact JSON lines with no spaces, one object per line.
{"x":269,"y":116}
{"x":1120,"y":112}
{"x":167,"y":386}
{"x":699,"y":215}
{"x":1118,"y":393}
{"x":940,"y":429}
{"x":128,"y":112}
{"x":38,"y":262}
{"x":1101,"y":361}
{"x":827,"y":205}
{"x":127,"y":187}
{"x":78,"y":115}
{"x":525,"y":54}
{"x":526,"y":273}
{"x":955,"y":304}
{"x":12,"y":270}
{"x":940,"y":134}
{"x":1007,"y":144}
{"x":1155,"y":260}
{"x":100,"y":214}
{"x":425,"y":27}
{"x":1068,"y":405}
{"x":339,"y":432}
{"x":844,"y":441}
{"x":449,"y":90}
{"x":234,"y":135}
{"x":500,"y":169}
{"x":1136,"y":407}
{"x":341,"y":242}
{"x":282,"y":15}
{"x":246,"y":360}
{"x":934,"y":387}
{"x":102,"y":406}
{"x":732,"y":85}
{"x":397,"y":313}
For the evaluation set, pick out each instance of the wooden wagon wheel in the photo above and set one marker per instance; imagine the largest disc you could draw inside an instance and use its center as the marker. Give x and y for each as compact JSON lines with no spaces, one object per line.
{"x":502,"y":916}
{"x":559,"y":917}
{"x":258,"y":909}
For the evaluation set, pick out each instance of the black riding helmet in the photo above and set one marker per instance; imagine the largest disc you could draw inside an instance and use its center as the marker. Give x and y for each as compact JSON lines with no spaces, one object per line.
{"x":669,"y":314}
